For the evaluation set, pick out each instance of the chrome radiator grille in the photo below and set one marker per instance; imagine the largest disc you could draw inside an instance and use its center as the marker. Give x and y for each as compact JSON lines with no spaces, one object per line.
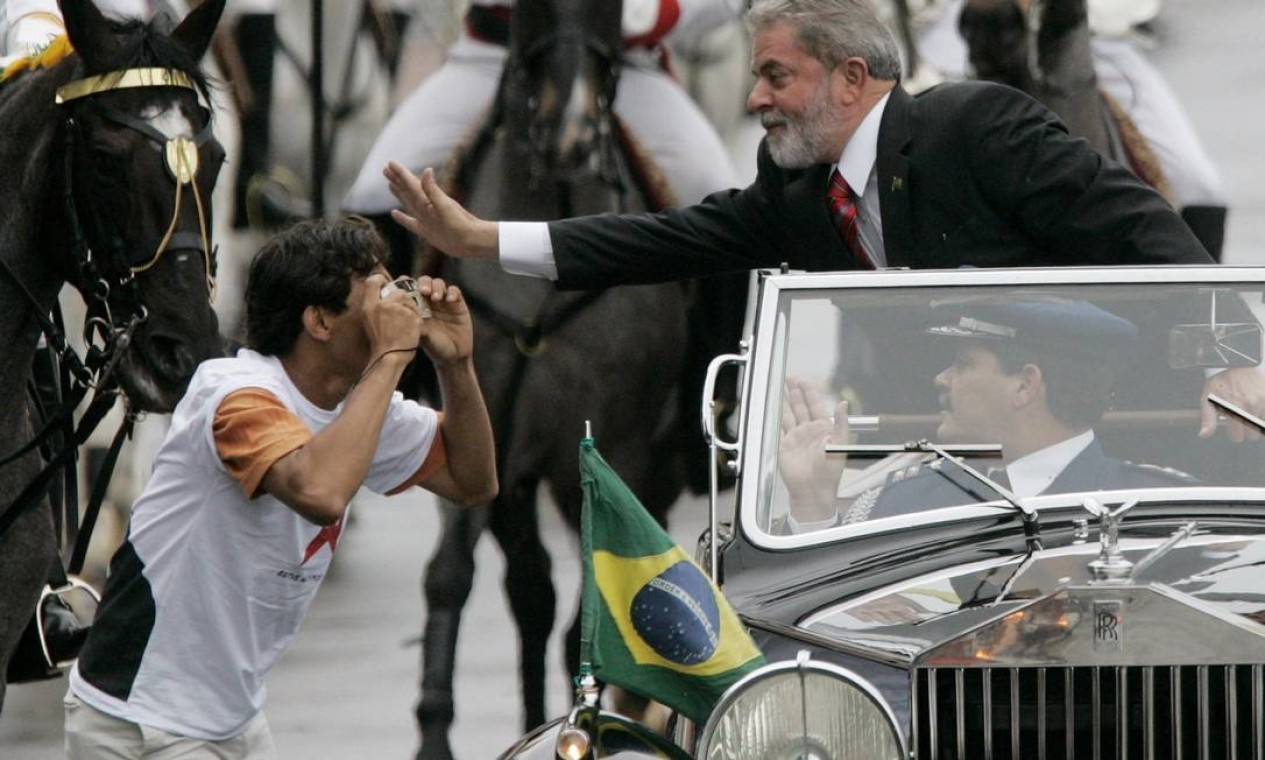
{"x":1109,"y":713}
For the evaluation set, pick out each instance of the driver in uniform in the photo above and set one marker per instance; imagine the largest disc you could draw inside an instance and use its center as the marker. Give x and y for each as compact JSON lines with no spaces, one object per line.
{"x":1034,"y":376}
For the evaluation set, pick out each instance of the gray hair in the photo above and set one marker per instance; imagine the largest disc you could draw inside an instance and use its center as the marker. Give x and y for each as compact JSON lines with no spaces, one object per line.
{"x":833,"y":31}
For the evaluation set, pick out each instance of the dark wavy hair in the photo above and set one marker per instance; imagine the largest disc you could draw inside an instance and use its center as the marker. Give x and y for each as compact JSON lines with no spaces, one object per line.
{"x":308,"y":264}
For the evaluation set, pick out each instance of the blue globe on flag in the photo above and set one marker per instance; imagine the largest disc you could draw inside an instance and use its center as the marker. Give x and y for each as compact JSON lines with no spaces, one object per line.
{"x":676,"y":614}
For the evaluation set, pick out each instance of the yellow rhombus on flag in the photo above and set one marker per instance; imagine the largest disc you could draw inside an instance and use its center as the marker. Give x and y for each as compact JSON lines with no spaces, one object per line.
{"x":652,"y":621}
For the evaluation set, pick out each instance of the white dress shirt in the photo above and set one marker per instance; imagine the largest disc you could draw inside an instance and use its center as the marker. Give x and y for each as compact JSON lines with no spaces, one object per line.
{"x":1032,"y":474}
{"x":856,"y":164}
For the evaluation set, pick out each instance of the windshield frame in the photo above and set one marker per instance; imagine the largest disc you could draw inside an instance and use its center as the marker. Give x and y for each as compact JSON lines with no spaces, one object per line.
{"x":765,"y":358}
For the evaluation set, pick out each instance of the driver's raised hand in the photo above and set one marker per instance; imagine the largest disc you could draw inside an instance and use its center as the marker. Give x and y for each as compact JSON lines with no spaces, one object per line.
{"x":435,"y":217}
{"x":811,"y":477}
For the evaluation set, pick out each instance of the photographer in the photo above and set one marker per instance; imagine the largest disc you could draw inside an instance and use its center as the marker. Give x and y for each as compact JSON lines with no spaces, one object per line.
{"x":235,"y":531}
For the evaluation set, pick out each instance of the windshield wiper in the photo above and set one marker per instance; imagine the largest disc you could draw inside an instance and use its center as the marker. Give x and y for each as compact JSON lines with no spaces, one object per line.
{"x":1031,"y":521}
{"x":1237,"y":412}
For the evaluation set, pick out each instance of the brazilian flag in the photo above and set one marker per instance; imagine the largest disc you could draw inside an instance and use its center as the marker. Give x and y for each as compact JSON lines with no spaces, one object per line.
{"x":652,"y":621}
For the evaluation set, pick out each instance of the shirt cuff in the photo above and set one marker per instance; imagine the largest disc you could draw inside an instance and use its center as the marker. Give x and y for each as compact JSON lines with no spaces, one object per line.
{"x":795,"y":527}
{"x":525,"y":248}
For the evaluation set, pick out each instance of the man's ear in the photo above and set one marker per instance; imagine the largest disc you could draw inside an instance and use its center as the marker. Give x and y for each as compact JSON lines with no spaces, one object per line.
{"x":316,"y":322}
{"x":848,"y":80}
{"x":1031,"y":386}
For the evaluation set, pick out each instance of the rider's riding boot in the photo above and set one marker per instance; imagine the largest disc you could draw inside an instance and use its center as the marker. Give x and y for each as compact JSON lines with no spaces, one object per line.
{"x":62,"y":630}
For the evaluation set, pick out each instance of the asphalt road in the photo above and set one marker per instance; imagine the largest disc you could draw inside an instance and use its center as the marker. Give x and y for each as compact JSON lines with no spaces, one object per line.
{"x":346,"y":687}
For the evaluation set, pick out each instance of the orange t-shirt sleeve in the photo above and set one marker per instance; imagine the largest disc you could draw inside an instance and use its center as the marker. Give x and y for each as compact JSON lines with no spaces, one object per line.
{"x":252,"y":430}
{"x":436,"y":458}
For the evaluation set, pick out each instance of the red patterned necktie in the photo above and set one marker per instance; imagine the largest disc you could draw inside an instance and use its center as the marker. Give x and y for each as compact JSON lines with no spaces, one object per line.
{"x":843,"y":209}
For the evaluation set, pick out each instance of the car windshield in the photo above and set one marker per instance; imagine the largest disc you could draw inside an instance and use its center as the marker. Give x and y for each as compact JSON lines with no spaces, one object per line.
{"x":1039,"y":388}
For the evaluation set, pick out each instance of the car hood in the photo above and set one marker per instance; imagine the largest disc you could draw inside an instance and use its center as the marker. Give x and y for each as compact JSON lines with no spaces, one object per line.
{"x":1049,"y":607}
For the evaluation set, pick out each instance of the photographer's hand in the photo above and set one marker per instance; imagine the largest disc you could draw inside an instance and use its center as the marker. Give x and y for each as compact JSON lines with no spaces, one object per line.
{"x":393,"y":323}
{"x":447,"y":336}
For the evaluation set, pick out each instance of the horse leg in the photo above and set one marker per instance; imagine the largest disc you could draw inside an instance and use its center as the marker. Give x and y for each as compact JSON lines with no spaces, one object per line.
{"x":256,"y":41}
{"x":449,"y":577}
{"x":529,"y":587}
{"x":715,"y":316}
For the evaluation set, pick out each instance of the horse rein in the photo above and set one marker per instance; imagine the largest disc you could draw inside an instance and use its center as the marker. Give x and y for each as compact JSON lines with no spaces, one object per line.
{"x":107,"y":342}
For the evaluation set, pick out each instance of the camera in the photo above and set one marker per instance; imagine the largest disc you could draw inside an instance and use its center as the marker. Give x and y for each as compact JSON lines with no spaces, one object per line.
{"x":408,"y":285}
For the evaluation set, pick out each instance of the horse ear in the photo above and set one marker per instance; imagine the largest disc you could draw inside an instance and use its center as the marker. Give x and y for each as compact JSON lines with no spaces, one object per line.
{"x":88,"y":30}
{"x":195,"y":32}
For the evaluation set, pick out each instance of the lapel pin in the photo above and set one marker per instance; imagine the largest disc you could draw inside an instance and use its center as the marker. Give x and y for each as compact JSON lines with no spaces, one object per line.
{"x":897,"y":183}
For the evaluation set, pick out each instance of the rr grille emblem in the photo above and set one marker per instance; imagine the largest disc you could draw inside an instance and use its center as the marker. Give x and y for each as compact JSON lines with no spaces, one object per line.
{"x":1109,"y":626}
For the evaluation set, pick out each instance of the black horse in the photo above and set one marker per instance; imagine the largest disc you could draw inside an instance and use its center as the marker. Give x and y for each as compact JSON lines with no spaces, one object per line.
{"x":109,"y":167}
{"x":550,"y":361}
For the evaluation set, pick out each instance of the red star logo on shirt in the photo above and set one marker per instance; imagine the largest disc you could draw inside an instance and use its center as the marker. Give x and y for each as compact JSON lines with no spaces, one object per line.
{"x":328,"y":535}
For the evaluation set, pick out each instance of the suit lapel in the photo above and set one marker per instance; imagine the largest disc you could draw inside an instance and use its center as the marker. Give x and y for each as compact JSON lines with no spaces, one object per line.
{"x":893,"y":179}
{"x":806,"y":205}
{"x":1085,"y":471}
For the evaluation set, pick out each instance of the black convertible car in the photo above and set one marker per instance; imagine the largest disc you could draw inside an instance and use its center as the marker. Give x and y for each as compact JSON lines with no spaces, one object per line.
{"x":987,"y":514}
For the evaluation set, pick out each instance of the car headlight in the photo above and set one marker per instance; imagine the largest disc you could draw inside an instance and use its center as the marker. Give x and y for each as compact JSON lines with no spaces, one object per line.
{"x":802,"y":710}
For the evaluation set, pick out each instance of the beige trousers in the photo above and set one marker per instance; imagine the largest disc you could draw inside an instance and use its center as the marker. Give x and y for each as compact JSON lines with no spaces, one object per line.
{"x":94,"y":735}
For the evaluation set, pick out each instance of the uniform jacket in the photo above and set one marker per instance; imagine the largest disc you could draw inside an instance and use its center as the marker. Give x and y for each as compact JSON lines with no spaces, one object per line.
{"x":944,"y":485}
{"x":969,"y":173}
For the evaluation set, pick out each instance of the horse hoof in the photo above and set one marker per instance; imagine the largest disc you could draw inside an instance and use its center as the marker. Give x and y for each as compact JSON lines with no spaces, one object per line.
{"x":435,"y":749}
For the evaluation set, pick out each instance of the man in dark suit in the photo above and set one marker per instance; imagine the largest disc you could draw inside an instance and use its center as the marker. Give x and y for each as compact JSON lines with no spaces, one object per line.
{"x":1032,"y":375}
{"x":855,"y":172}
{"x":963,"y":174}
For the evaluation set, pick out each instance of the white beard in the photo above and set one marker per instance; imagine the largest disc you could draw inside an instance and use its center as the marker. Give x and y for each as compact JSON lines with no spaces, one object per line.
{"x":805,"y":140}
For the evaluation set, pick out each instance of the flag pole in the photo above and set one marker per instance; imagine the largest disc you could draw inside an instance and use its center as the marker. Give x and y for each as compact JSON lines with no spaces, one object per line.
{"x":714,"y":494}
{"x":585,"y":684}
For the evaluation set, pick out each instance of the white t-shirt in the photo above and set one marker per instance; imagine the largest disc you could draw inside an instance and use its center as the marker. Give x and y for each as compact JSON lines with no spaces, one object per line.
{"x":210,"y":586}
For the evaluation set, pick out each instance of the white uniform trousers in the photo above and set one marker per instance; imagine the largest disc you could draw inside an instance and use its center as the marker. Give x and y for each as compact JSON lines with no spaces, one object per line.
{"x":449,"y":104}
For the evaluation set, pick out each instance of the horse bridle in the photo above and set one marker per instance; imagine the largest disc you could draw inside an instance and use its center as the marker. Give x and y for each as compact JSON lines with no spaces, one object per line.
{"x":612,"y":59}
{"x":181,"y":161}
{"x":107,"y":341}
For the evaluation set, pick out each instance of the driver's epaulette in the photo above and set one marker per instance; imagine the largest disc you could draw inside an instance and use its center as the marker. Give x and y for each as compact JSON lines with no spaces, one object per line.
{"x":896,"y":476}
{"x":859,"y":510}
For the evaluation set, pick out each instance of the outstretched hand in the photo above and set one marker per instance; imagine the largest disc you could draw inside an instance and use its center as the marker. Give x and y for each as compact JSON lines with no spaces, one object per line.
{"x":435,"y":217}
{"x":811,"y":476}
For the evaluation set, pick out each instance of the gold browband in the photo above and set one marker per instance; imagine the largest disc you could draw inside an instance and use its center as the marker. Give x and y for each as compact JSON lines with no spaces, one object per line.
{"x":122,"y":80}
